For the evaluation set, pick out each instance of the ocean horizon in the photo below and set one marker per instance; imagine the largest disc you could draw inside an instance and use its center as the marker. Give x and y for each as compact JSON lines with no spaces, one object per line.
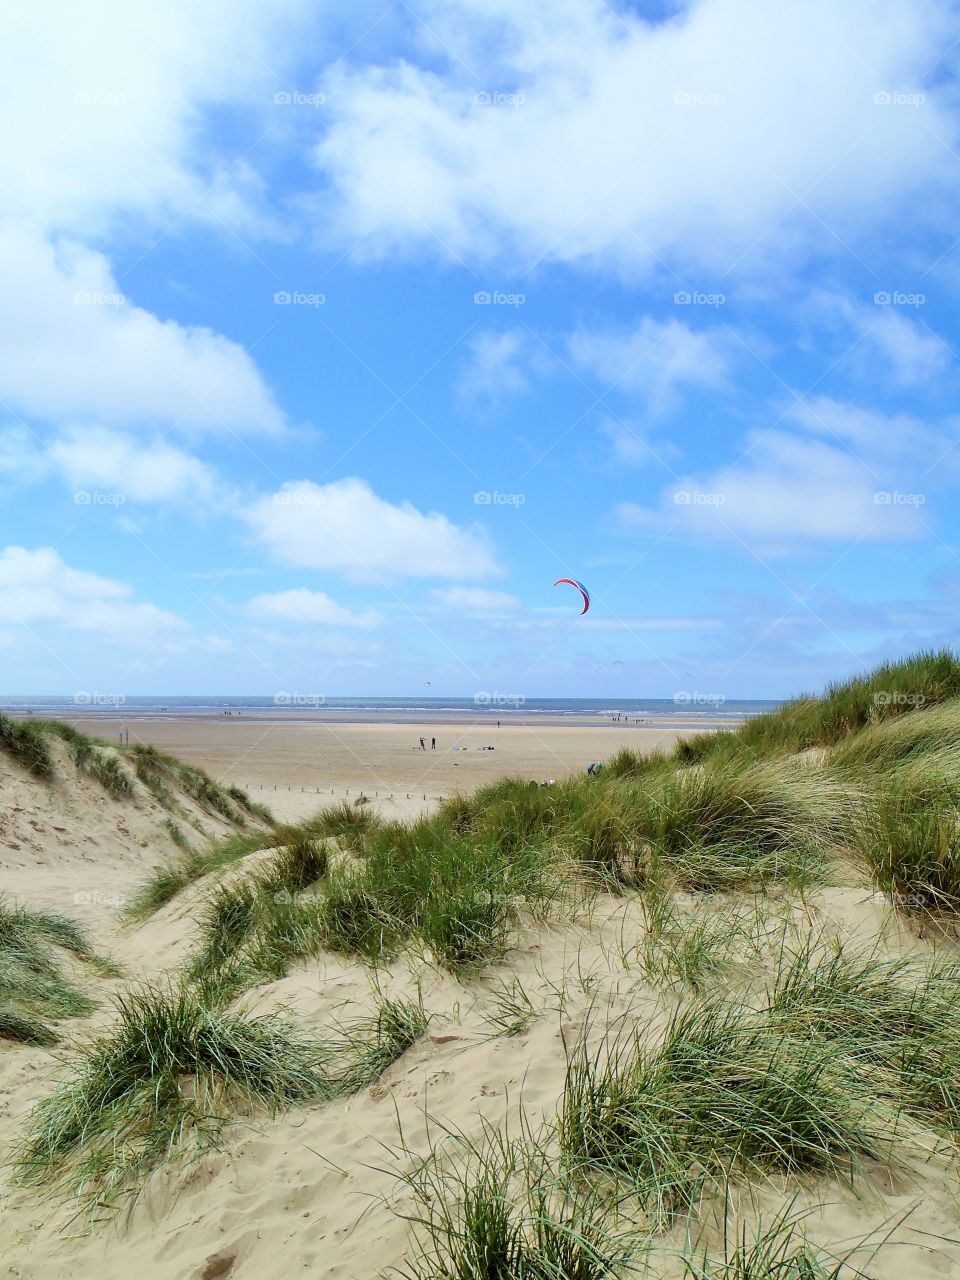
{"x":692,"y":705}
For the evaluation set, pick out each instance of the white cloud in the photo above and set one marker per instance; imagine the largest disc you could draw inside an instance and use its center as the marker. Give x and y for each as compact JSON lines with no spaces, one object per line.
{"x":302,"y":605}
{"x":882,"y":439}
{"x":21,"y":455}
{"x":38,"y":587}
{"x":497,"y":367}
{"x":787,"y":489}
{"x":106,"y":98}
{"x":110,"y":105}
{"x":892,"y":343}
{"x":910,"y":355}
{"x":845,"y":472}
{"x":476,"y":600}
{"x":634,"y":140}
{"x":92,"y":457}
{"x":629,"y":443}
{"x":71,"y":348}
{"x":656,"y":360}
{"x":96,"y":459}
{"x":345,"y":526}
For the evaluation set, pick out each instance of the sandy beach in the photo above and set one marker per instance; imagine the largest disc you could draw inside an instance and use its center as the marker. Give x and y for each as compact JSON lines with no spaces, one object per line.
{"x":294,"y":766}
{"x":326,"y":1185}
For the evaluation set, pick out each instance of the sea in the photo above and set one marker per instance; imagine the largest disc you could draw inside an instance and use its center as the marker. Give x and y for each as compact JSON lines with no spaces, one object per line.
{"x":311,"y":707}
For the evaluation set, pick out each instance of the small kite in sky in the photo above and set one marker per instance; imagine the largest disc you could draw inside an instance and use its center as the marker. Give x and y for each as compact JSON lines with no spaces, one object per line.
{"x":572,"y":582}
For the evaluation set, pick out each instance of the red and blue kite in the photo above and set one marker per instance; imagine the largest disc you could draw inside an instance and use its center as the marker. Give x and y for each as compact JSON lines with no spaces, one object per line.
{"x":572,"y":582}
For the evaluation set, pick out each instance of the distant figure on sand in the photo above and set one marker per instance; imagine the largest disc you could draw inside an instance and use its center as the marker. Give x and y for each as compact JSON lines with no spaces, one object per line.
{"x":433,"y":744}
{"x":423,"y":745}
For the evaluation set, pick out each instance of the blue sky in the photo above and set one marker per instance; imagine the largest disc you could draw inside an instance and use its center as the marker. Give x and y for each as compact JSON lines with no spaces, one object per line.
{"x":330,"y":343}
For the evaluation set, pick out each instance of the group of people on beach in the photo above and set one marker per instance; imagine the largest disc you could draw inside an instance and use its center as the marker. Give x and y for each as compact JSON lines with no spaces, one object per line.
{"x":423,"y":744}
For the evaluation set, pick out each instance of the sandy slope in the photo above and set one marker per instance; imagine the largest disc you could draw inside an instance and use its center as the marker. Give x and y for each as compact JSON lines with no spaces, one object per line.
{"x":68,"y":846}
{"x":314,"y":1192}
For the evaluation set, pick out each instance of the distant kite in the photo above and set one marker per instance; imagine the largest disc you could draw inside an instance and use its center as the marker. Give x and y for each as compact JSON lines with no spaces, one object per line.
{"x":572,"y":582}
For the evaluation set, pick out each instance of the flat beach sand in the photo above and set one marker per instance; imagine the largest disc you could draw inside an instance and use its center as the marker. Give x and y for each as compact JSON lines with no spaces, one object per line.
{"x":294,"y":765}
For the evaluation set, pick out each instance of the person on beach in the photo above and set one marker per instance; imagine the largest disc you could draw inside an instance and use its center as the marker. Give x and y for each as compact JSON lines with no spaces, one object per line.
{"x":433,"y":744}
{"x":423,"y":745}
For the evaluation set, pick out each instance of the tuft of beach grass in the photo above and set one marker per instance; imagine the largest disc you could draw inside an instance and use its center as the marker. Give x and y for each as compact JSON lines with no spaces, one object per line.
{"x":172,"y":1073}
{"x":35,"y":990}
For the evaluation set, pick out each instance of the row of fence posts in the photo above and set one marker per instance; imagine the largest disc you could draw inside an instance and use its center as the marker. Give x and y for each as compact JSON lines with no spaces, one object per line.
{"x":387,"y":795}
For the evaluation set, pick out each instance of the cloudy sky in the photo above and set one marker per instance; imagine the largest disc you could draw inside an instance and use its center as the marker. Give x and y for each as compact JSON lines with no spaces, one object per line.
{"x":328,"y":343}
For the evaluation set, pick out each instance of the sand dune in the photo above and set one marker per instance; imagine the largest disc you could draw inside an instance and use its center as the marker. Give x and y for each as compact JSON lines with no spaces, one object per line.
{"x":319,"y":1190}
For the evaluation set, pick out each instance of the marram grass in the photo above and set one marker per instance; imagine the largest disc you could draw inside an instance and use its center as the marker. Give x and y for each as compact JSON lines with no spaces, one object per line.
{"x":35,"y":989}
{"x":495,"y":1211}
{"x":172,"y":1073}
{"x":727,"y":1090}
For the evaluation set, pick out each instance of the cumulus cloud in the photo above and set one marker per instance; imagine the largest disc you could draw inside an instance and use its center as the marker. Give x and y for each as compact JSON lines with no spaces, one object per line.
{"x":303,"y":605}
{"x":346,"y":527}
{"x":72,"y":347}
{"x":92,"y":457}
{"x":106,"y":99}
{"x":784,"y":490}
{"x":109,"y":106}
{"x":832,"y":471}
{"x":38,"y":587}
{"x":601,"y":136}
